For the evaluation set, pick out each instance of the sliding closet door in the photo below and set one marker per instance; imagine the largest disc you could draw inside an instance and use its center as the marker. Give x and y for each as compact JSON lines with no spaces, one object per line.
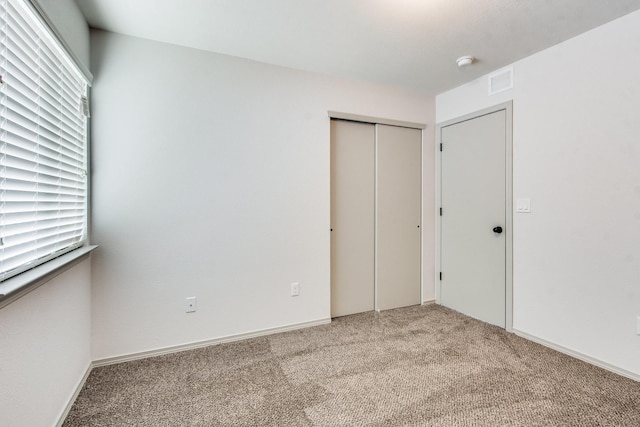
{"x":352,"y":217}
{"x":398,"y":185}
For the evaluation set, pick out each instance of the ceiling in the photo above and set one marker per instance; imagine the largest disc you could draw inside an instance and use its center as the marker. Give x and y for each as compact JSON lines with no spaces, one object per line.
{"x":406,"y":43}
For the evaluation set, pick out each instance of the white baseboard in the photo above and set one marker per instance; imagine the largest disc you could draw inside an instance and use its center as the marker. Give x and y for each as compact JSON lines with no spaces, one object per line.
{"x":74,"y":396}
{"x":429,"y":302}
{"x":207,"y":343}
{"x":580,"y":356}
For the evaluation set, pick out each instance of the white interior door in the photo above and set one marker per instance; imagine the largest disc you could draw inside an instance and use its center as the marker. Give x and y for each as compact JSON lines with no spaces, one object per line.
{"x":473,"y":200}
{"x":352,"y":217}
{"x":398,"y":214}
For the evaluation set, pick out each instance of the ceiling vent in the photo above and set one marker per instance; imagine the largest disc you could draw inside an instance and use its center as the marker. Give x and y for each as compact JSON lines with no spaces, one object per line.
{"x":500,"y":81}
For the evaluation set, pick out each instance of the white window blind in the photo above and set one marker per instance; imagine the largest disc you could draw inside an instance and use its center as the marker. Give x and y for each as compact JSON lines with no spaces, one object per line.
{"x":43,"y":138}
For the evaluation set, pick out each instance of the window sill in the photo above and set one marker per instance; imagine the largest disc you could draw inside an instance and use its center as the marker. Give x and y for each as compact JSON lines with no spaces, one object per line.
{"x":20,"y":285}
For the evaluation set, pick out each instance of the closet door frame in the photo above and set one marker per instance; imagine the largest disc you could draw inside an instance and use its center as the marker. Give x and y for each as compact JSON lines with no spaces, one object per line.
{"x":413,"y":125}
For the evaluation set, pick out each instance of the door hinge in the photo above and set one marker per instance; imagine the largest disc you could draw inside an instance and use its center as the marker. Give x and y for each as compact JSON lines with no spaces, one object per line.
{"x":440,"y":211}
{"x":441,"y":275}
{"x":441,"y":147}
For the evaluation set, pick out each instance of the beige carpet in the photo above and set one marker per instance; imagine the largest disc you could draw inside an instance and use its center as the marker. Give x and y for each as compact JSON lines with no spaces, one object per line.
{"x":417,"y":366}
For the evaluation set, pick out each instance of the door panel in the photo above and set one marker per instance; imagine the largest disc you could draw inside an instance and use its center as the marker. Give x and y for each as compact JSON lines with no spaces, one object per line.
{"x":352,"y":217}
{"x":399,"y":195}
{"x":474,"y":202}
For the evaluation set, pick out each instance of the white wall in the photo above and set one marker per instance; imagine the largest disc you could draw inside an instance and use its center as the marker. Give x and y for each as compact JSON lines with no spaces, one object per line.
{"x":577,"y":156}
{"x":211,"y":179}
{"x":45,"y":349}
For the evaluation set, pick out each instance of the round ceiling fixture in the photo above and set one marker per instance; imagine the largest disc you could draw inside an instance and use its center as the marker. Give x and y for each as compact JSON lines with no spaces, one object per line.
{"x":463,"y":61}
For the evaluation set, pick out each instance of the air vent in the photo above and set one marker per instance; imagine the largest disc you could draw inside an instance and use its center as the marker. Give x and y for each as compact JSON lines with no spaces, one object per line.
{"x":501,"y":81}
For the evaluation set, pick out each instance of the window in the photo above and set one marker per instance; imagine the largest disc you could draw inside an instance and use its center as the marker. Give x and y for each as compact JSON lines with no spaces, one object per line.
{"x":43,"y":144}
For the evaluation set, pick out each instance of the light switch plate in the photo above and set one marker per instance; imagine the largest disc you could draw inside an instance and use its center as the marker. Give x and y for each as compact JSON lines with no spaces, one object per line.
{"x":523,"y":205}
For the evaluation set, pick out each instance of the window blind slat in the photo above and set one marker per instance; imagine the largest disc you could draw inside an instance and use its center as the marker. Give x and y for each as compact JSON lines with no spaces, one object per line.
{"x":59,"y":126}
{"x":24,"y":129}
{"x":29,"y":175}
{"x":75,"y":189}
{"x":41,"y":155}
{"x":33,"y":250}
{"x":19,"y":239}
{"x":19,"y":87}
{"x":45,"y":230}
{"x":10,"y":162}
{"x":39,"y":212}
{"x":41,"y":190}
{"x":19,"y":60}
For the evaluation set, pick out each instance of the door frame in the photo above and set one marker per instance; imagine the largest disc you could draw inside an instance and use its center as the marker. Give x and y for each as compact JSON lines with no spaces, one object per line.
{"x":508,"y":108}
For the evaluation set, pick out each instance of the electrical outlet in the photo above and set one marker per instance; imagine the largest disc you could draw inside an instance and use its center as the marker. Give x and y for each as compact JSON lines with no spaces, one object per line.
{"x":190,"y":305}
{"x":638,"y":325}
{"x":295,"y":289}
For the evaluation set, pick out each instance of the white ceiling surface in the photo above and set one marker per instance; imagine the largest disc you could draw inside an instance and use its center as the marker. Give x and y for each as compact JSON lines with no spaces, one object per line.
{"x":407,"y":43}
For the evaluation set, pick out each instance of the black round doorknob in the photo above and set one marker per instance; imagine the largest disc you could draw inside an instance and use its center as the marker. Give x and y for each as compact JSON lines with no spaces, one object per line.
{"x":497,"y":229}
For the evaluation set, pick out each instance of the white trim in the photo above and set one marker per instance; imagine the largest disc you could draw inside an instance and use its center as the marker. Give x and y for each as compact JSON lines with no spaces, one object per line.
{"x":509,"y":217}
{"x":74,"y":396}
{"x":429,"y":302}
{"x":18,"y":286}
{"x":578,"y":355}
{"x":438,"y":205}
{"x":374,"y":120}
{"x":206,"y":343}
{"x":422,"y":198}
{"x":376,"y":302}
